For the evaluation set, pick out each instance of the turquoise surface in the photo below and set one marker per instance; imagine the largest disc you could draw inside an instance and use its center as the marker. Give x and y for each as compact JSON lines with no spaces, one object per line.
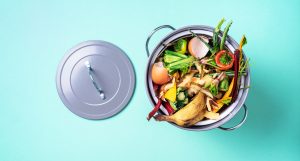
{"x":36,"y":126}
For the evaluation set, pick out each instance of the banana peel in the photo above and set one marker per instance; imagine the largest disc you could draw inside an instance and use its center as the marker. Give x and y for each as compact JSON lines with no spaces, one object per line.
{"x":189,"y":115}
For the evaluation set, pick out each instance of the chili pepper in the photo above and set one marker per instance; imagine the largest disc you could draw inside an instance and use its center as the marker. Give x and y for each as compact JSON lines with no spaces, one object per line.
{"x":168,"y":107}
{"x":155,"y":109}
{"x":236,"y":74}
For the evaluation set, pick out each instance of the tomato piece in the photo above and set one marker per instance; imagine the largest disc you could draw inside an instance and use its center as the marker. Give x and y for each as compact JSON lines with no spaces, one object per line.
{"x":224,"y":60}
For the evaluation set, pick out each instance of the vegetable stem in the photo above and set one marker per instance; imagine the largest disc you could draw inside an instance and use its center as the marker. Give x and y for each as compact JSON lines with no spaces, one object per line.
{"x":242,"y":43}
{"x":230,"y":73}
{"x":225,"y":35}
{"x":216,"y":32}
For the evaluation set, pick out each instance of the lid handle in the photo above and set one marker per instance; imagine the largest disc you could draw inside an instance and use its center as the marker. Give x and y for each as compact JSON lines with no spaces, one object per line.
{"x":97,"y":86}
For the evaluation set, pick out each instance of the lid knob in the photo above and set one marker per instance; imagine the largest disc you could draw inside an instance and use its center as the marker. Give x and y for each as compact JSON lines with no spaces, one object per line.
{"x":97,"y":86}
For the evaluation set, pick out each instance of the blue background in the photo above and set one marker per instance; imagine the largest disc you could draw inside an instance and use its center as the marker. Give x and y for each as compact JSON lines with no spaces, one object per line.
{"x":35,"y":125}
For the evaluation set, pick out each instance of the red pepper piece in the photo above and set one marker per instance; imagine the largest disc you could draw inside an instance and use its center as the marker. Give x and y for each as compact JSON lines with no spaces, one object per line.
{"x":236,"y":74}
{"x":220,"y":64}
{"x":155,"y":87}
{"x":155,"y":109}
{"x":168,"y":108}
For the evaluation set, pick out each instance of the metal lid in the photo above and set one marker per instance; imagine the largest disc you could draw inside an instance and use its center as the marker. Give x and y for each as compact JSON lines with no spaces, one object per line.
{"x":95,"y":80}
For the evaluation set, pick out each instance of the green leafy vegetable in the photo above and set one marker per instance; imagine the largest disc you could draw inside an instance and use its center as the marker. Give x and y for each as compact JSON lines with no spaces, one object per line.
{"x":211,"y":62}
{"x":244,"y":65}
{"x":169,"y":59}
{"x":171,"y":56}
{"x":168,"y":52}
{"x":182,"y":98}
{"x":225,"y":59}
{"x":226,"y":101}
{"x":229,"y":73}
{"x":213,"y":89}
{"x":182,"y":65}
{"x":224,"y":85}
{"x":173,"y":105}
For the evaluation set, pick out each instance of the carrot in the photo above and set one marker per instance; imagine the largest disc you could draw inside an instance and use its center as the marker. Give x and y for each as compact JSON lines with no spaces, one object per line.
{"x":237,"y":62}
{"x":236,"y":74}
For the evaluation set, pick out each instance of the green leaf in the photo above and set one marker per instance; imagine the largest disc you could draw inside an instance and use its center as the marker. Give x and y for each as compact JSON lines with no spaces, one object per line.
{"x":213,"y":89}
{"x":226,"y":101}
{"x":170,"y":59}
{"x":224,"y":85}
{"x":183,"y":65}
{"x":168,"y":52}
{"x":214,"y":50}
{"x":188,"y":60}
{"x":225,"y":59}
{"x":173,"y":105}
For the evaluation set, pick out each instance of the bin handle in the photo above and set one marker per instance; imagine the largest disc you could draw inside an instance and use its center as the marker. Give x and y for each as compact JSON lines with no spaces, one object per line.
{"x":238,"y":125}
{"x":152,"y":33}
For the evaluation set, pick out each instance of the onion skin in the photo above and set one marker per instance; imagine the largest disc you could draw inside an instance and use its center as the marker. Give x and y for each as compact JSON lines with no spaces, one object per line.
{"x":197,"y":48}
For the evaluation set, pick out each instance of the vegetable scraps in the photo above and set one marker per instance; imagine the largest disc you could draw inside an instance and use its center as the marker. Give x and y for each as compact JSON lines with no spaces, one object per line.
{"x":199,"y":76}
